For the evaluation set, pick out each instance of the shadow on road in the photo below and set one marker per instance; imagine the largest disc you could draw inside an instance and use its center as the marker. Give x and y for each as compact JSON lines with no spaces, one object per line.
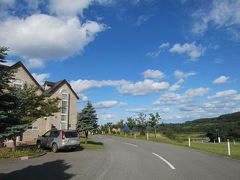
{"x":50,"y":170}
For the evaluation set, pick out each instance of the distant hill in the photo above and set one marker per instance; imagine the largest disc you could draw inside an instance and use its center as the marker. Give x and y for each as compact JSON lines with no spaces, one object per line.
{"x":227,"y":125}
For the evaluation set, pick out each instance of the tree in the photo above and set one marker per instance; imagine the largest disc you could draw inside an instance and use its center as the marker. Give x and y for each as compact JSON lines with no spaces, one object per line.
{"x":131,"y":122}
{"x":141,"y":122}
{"x":8,"y":102}
{"x":87,"y":120}
{"x":119,"y":124}
{"x":153,"y":121}
{"x":29,"y":107}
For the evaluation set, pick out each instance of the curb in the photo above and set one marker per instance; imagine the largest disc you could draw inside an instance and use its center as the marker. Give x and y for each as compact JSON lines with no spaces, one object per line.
{"x":31,"y":157}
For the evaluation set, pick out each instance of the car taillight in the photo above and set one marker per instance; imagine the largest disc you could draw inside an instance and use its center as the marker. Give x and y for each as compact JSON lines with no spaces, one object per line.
{"x":63,"y":135}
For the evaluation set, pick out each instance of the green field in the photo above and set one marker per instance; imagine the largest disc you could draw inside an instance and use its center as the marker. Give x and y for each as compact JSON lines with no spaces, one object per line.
{"x":208,"y":147}
{"x":91,"y":144}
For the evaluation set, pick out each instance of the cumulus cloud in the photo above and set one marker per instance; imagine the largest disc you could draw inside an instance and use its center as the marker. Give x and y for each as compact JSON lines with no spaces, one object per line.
{"x":153,"y":74}
{"x":124,"y":87}
{"x":109,"y":104}
{"x":221,"y":14}
{"x":41,"y":77}
{"x":84,"y":85}
{"x":70,"y":8}
{"x":46,"y":37}
{"x":190,"y":49}
{"x":160,"y":49}
{"x":231,"y":93}
{"x":221,"y":80}
{"x":174,"y":98}
{"x":142,"y":87}
{"x":182,"y":75}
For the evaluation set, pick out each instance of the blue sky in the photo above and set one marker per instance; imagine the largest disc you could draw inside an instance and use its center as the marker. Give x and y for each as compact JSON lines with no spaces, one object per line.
{"x":176,"y":57}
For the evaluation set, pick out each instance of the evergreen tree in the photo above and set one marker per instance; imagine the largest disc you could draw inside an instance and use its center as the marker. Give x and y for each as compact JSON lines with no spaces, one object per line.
{"x":8,"y":102}
{"x":20,"y":107}
{"x":29,"y":107}
{"x":87,"y":120}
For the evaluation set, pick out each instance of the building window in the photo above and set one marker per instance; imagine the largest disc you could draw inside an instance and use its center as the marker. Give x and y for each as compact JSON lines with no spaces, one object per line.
{"x":32,"y":127}
{"x":18,"y":83}
{"x":64,"y":109}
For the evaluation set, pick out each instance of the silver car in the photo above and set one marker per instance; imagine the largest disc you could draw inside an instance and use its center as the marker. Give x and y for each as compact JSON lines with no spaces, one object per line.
{"x":59,"y":139}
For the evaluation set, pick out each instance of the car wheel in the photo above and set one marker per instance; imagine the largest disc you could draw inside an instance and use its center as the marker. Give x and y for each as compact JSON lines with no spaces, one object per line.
{"x":38,"y":144}
{"x":54,"y":148}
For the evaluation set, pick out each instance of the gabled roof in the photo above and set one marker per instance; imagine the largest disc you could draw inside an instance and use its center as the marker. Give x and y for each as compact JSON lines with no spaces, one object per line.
{"x":57,"y":85}
{"x":20,"y":64}
{"x":54,"y":85}
{"x":48,"y":83}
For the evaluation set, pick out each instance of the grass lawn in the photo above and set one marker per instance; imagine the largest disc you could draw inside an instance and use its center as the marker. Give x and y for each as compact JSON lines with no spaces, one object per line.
{"x":20,"y":152}
{"x":208,"y":147}
{"x":91,"y":144}
{"x":218,"y":148}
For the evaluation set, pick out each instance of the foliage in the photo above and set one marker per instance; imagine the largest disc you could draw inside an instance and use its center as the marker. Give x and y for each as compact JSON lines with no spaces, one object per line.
{"x":119,"y":124}
{"x":87,"y":120}
{"x":141,"y":123}
{"x":20,"y":107}
{"x":131,"y":122}
{"x":154,"y":119}
{"x":29,"y":107}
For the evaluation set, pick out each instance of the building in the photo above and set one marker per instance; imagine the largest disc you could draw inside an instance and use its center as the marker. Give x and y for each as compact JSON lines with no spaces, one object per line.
{"x":65,"y":119}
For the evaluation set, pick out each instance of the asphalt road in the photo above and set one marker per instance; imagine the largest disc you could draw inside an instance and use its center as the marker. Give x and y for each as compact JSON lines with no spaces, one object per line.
{"x":122,"y":159}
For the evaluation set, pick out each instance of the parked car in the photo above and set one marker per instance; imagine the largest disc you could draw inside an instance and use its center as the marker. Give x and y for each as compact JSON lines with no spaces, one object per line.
{"x":59,"y":139}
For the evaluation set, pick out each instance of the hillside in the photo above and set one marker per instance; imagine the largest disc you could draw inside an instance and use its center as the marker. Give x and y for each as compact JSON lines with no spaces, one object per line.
{"x":227,"y":126}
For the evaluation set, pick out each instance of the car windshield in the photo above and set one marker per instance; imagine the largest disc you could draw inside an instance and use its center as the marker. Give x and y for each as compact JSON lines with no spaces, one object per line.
{"x":71,"y":134}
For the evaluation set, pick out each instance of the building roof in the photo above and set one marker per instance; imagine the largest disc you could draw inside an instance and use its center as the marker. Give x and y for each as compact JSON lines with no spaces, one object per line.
{"x":57,"y":85}
{"x":20,"y":64}
{"x":48,"y":83}
{"x":54,"y":85}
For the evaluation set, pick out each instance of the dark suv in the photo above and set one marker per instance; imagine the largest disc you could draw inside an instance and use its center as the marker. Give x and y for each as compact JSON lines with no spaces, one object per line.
{"x":59,"y":139}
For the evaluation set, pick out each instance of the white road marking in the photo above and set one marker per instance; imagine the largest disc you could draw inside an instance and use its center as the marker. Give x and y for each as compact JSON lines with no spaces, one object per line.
{"x":168,"y":163}
{"x":130,"y":144}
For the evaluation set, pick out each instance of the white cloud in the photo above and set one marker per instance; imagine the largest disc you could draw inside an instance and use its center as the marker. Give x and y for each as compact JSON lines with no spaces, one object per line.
{"x":161,"y":48}
{"x":221,"y":80}
{"x":69,"y":8}
{"x":182,"y":75}
{"x":109,"y":104}
{"x":84,"y":85}
{"x":190,"y":49}
{"x":221,"y":14}
{"x":46,"y":37}
{"x":176,"y":85}
{"x":153,"y":74}
{"x":142,"y":87}
{"x":224,"y":94}
{"x":174,"y":98}
{"x":41,"y":77}
{"x":35,"y":63}
{"x":124,"y":87}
